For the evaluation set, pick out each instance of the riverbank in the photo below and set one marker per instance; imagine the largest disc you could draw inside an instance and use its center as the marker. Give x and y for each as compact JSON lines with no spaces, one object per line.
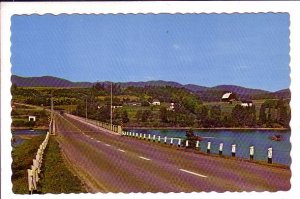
{"x":22,"y":156}
{"x":186,"y":128}
{"x":26,"y":128}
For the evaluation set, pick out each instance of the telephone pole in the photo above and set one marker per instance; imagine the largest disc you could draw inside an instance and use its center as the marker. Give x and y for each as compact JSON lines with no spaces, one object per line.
{"x":111,"y":106}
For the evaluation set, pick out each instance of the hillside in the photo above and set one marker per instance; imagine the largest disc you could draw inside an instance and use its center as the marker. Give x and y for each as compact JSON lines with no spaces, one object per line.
{"x":205,"y":93}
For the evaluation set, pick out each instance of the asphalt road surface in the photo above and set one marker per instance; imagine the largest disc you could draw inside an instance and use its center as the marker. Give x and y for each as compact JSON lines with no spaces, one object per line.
{"x":107,"y":162}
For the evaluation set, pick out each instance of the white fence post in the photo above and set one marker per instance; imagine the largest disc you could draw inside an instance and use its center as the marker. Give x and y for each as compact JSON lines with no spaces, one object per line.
{"x":149,"y":137}
{"x":158,"y":139}
{"x":186,"y":143}
{"x":221,"y":149}
{"x":141,"y":135}
{"x":233,"y":150}
{"x":179,"y":142}
{"x":270,"y":154}
{"x":165,"y":140}
{"x":208,"y":147}
{"x":153,"y":138}
{"x":30,"y":181}
{"x":144,"y":136}
{"x":251,"y":151}
{"x":197,"y":144}
{"x":171,"y":142}
{"x":34,"y":177}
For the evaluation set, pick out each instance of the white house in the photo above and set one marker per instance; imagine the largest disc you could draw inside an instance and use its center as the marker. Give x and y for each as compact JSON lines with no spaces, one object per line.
{"x":31,"y":118}
{"x":228,"y":97}
{"x":156,"y":102}
{"x":246,"y":103}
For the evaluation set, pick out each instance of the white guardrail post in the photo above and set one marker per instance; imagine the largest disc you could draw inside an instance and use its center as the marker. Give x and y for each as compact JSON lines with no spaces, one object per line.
{"x":208,"y":147}
{"x":33,"y":173}
{"x":270,"y":154}
{"x":221,"y":149}
{"x":251,"y":152}
{"x":233,"y":150}
{"x":197,"y":144}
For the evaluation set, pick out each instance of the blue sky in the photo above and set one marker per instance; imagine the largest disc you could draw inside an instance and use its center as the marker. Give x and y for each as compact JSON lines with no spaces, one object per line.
{"x":250,"y":50}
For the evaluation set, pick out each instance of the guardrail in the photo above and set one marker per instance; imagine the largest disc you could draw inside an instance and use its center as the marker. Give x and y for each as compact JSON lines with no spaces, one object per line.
{"x":186,"y":144}
{"x":34,"y":172}
{"x":107,"y":126}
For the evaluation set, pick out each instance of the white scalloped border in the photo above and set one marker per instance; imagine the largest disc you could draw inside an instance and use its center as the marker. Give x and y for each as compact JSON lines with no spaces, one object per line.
{"x":9,"y":9}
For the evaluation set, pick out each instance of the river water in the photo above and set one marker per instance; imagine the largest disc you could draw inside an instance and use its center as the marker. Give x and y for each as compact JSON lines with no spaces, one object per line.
{"x":19,"y":136}
{"x":243,"y":139}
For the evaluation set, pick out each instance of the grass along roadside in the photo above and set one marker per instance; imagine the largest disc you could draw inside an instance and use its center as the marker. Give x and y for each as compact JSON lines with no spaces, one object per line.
{"x":57,"y":178}
{"x":22,"y":157}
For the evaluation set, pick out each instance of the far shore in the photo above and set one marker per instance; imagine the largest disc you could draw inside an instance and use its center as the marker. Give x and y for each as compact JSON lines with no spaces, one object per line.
{"x":27,"y":128}
{"x":219,"y":128}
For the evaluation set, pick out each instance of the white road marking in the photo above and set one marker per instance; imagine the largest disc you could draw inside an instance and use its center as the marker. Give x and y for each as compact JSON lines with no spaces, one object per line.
{"x":107,"y":144}
{"x":98,"y":141}
{"x":190,"y":172}
{"x":143,"y":158}
{"x":91,"y":138}
{"x":121,"y":150}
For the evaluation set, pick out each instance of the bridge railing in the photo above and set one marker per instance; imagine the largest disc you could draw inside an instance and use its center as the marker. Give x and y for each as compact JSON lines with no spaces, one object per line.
{"x":34,"y":172}
{"x":107,"y":126}
{"x":179,"y":142}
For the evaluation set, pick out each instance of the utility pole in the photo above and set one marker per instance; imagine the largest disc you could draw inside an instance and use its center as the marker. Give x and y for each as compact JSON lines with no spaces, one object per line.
{"x":52,"y":112}
{"x":85,"y":108}
{"x":111,"y":106}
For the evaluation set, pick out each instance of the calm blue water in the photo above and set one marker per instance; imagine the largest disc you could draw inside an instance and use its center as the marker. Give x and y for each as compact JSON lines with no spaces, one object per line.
{"x":243,"y":139}
{"x":18,"y":140}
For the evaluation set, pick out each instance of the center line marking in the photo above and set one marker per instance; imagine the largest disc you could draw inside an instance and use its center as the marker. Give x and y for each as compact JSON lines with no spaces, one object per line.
{"x":143,"y":158}
{"x":98,"y":141}
{"x":107,"y":144}
{"x":91,"y":138}
{"x":121,"y":150}
{"x":190,"y":172}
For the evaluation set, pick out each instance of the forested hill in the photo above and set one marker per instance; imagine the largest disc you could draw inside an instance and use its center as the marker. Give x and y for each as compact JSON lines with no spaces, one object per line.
{"x":205,"y":93}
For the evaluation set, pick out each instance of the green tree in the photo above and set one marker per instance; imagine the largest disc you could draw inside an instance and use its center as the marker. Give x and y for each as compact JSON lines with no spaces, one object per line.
{"x":163,"y":114}
{"x":125,"y":118}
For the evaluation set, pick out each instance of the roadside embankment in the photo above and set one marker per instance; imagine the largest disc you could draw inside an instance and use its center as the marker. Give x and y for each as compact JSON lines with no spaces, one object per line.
{"x":57,"y":178}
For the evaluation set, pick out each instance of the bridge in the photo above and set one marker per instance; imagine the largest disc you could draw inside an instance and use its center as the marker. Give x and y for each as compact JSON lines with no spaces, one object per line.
{"x":109,"y":162}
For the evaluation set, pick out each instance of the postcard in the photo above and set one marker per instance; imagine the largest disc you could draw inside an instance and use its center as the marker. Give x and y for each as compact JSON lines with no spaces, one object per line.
{"x":143,"y":99}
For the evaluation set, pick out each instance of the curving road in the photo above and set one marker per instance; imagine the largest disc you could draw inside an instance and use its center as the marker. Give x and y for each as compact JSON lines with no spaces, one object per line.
{"x":112,"y":163}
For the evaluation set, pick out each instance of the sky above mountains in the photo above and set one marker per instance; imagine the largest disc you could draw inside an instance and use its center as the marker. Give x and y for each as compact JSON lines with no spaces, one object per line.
{"x":250,"y":50}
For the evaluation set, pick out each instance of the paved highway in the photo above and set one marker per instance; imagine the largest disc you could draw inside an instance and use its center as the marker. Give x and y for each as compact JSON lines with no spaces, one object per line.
{"x":112,"y":163}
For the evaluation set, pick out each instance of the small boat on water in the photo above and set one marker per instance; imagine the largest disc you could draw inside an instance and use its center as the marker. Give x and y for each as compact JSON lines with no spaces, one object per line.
{"x":276,"y":137}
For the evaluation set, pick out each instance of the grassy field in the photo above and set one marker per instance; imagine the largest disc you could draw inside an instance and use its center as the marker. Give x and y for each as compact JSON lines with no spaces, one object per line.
{"x":57,"y":178}
{"x":22,"y":156}
{"x":227,"y":108}
{"x":20,"y":115}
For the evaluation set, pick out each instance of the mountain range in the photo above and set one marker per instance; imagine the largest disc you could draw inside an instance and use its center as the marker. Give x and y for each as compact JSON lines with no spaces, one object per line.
{"x":206,"y":93}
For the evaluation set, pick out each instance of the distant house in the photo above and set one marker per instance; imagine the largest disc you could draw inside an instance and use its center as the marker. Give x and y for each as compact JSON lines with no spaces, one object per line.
{"x":246,"y":103}
{"x":156,"y":102}
{"x":117,"y":106}
{"x":31,"y":118}
{"x":228,"y":97}
{"x":134,"y":103}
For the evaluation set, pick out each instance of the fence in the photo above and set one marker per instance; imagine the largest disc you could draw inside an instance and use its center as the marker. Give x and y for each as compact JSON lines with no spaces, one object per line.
{"x":107,"y":126}
{"x":34,"y":172}
{"x":186,"y":144}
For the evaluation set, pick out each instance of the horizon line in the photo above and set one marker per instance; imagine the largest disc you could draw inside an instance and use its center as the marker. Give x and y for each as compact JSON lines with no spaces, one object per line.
{"x":183,"y":84}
